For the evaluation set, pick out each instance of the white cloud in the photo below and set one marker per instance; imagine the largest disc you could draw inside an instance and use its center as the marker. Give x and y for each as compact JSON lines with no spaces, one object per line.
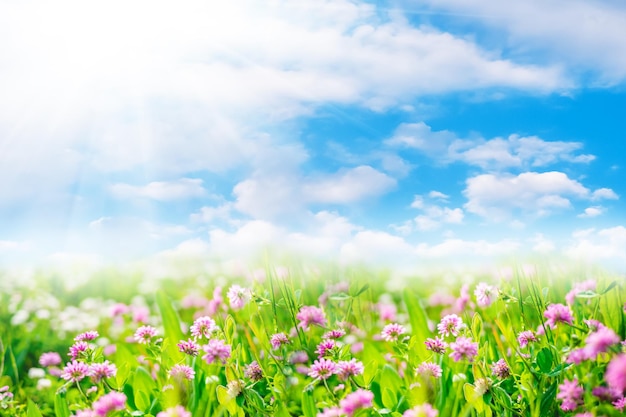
{"x":459,"y":248}
{"x":181,"y":189}
{"x":496,"y":197}
{"x":13,"y":245}
{"x":542,"y":244}
{"x":593,"y":211}
{"x":438,"y":195}
{"x":348,"y":186}
{"x":512,"y":152}
{"x":190,"y":88}
{"x":270,"y":196}
{"x":433,"y":215}
{"x":604,"y":194}
{"x":575,"y":33}
{"x":604,"y":245}
{"x":209,"y":214}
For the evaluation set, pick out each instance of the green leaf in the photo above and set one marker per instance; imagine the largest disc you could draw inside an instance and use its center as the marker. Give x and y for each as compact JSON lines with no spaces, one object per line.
{"x":143,"y":385}
{"x":229,"y":328}
{"x":477,"y":325}
{"x":171,"y":325}
{"x":308,"y":403}
{"x":545,"y":359}
{"x":418,"y":320}
{"x":362,"y":290}
{"x":610,"y":287}
{"x":389,"y":378}
{"x":390,"y":400}
{"x":60,"y":405}
{"x":32,"y":410}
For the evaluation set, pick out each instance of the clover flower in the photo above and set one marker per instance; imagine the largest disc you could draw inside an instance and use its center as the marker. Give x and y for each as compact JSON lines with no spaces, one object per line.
{"x":309,"y":315}
{"x":450,"y":325}
{"x":75,"y":371}
{"x":203,"y":327}
{"x":357,"y":400}
{"x":346,"y":369}
{"x":216,"y":350}
{"x":392,"y":332}
{"x":323,"y":369}
{"x":238,"y":296}
{"x":463,"y":348}
{"x":144,"y":334}
{"x":558,"y":313}
{"x":113,"y":401}
{"x":570,"y":393}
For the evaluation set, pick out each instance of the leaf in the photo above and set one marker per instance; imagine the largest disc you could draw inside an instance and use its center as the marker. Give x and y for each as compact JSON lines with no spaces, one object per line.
{"x":308,"y":404}
{"x":418,"y":320}
{"x":229,"y":328}
{"x":477,"y":325}
{"x":389,"y":378}
{"x":544,"y":360}
{"x":60,"y":404}
{"x":143,"y":384}
{"x":32,"y":410}
{"x":362,"y":290}
{"x":226,"y":400}
{"x":171,"y":325}
{"x":609,"y":288}
{"x":390,"y":400}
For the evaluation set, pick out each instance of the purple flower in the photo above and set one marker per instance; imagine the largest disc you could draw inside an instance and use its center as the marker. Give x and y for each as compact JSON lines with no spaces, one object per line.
{"x":216,"y":350}
{"x":144,"y":334}
{"x":600,"y":341}
{"x":50,"y":359}
{"x":605,"y":393}
{"x":579,"y":287}
{"x":238,"y":296}
{"x":427,"y":369}
{"x":79,"y":349}
{"x":620,"y":404}
{"x":323,"y":369}
{"x":113,"y":401}
{"x":309,"y":315}
{"x":485,"y":294}
{"x":279,"y":339}
{"x":178,"y":411}
{"x":87,"y":336}
{"x":75,"y":371}
{"x":570,"y":393}
{"x":615,"y":375}
{"x":436,"y":345}
{"x":356,"y":400}
{"x":203,"y":327}
{"x":99,"y":371}
{"x":253,"y":371}
{"x":325,"y":348}
{"x":462,"y":348}
{"x":392,"y":331}
{"x":180,"y":372}
{"x":525,"y":337}
{"x":450,"y":325}
{"x":189,"y":347}
{"x":576,"y":356}
{"x":335,"y":334}
{"x":558,"y":313}
{"x":500,"y":369}
{"x":346,"y":369}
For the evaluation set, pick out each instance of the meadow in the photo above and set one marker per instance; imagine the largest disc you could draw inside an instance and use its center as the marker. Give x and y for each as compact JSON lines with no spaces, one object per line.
{"x":316,"y":341}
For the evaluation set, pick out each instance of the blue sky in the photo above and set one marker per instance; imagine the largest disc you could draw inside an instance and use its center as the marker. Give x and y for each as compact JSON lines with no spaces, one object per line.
{"x":399,"y":131}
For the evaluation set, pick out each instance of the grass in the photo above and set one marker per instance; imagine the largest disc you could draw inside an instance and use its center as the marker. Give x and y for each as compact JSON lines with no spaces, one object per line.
{"x":544,"y":378}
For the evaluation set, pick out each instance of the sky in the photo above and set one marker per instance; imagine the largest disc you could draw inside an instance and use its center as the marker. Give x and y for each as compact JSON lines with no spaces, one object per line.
{"x":395,"y":132}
